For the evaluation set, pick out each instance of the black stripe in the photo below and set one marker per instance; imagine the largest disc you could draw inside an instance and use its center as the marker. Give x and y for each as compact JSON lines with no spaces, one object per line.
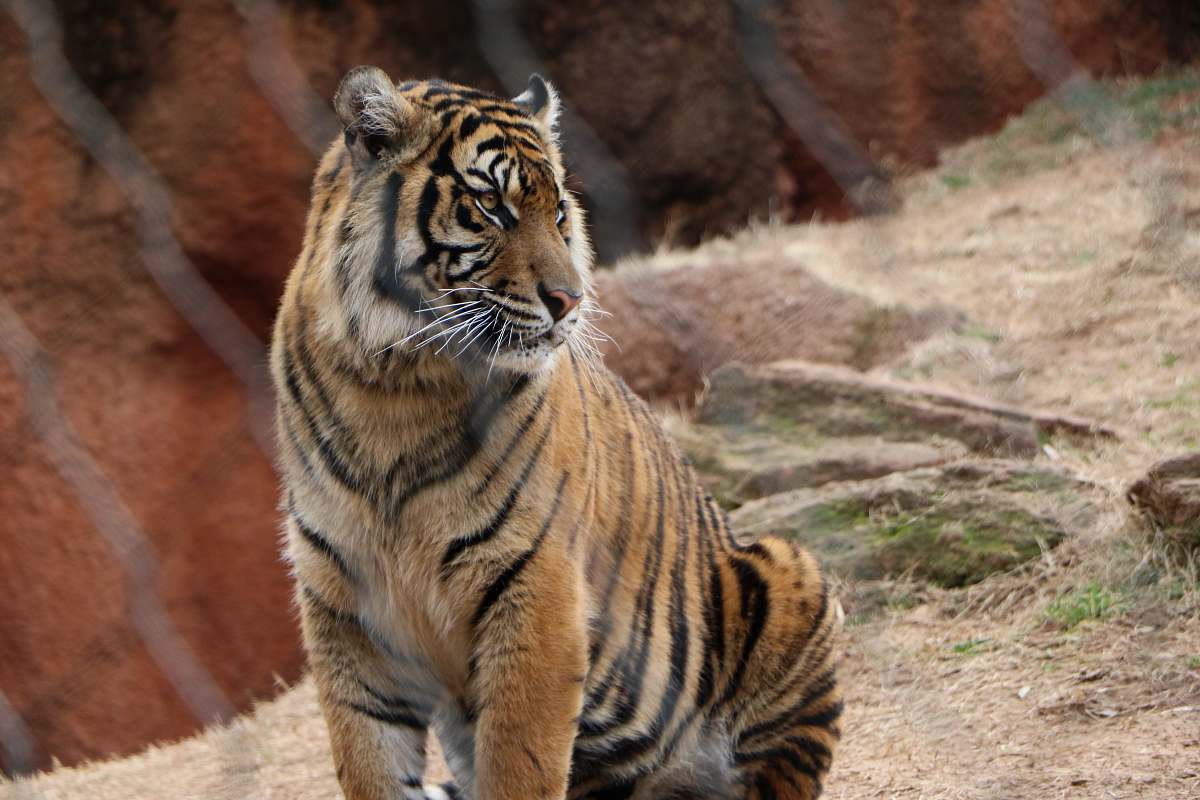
{"x":462,"y":215}
{"x":331,"y":459}
{"x":496,"y":142}
{"x":622,"y":790}
{"x":778,"y":756}
{"x":459,"y":545}
{"x":754,"y":605}
{"x":812,"y":650}
{"x":513,"y":571}
{"x":386,"y":277}
{"x":627,"y":673}
{"x":321,"y":544}
{"x":821,"y":686}
{"x":443,"y":164}
{"x":389,"y":717}
{"x":507,"y":309}
{"x":519,"y":435}
{"x":339,"y":433}
{"x":764,"y":789}
{"x":620,"y":547}
{"x":394,"y":711}
{"x":319,"y":603}
{"x":470,"y":123}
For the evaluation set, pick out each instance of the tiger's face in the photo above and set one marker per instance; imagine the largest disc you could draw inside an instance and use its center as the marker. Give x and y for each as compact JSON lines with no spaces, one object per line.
{"x":459,"y":237}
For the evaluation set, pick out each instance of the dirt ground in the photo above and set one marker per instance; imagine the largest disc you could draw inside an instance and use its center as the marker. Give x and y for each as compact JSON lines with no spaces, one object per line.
{"x":1072,"y":242}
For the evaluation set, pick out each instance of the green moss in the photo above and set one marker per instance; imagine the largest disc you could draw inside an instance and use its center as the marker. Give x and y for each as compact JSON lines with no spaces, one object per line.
{"x":954,"y":181}
{"x":837,"y":515}
{"x":955,"y":547}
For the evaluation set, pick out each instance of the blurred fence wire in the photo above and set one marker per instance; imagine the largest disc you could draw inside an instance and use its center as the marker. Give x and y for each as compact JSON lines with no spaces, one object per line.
{"x":277,"y":74}
{"x":513,"y":59}
{"x":795,"y":101}
{"x":100,"y":134}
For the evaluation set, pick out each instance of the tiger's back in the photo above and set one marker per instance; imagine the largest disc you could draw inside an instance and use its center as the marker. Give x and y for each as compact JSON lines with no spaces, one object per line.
{"x":515,"y":557}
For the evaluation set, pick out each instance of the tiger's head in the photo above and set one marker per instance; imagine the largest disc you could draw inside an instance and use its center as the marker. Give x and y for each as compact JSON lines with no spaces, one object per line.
{"x":458,"y":236}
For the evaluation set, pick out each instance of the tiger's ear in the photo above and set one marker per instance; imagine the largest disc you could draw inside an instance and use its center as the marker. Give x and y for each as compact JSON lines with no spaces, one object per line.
{"x":379,"y":122}
{"x":541,"y":101}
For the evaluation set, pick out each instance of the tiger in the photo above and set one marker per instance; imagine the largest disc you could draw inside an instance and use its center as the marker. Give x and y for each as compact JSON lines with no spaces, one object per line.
{"x":492,"y":539}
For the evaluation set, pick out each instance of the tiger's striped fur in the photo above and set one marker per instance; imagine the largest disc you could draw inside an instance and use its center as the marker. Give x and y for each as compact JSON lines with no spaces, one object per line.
{"x":491,"y":536}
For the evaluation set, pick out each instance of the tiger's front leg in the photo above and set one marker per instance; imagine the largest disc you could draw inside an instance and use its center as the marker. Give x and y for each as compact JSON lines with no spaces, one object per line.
{"x":377,"y":725}
{"x":530,"y":662}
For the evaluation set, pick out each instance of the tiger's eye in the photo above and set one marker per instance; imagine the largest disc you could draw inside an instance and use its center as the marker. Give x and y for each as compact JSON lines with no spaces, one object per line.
{"x":489,"y":200}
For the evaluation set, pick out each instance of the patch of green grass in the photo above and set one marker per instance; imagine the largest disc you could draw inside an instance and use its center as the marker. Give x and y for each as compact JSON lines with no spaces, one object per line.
{"x":954,"y":181}
{"x":1161,"y":88}
{"x":1169,"y":359}
{"x":902,"y":603}
{"x":1188,"y":396}
{"x":974,"y":331}
{"x":1193,"y":662}
{"x":969,"y":647}
{"x":1155,"y":104}
{"x":1037,"y":482}
{"x":1091,"y":602}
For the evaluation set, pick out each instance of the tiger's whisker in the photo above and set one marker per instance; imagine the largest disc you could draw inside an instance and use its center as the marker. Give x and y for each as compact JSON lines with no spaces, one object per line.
{"x":449,"y":331}
{"x":460,"y":328}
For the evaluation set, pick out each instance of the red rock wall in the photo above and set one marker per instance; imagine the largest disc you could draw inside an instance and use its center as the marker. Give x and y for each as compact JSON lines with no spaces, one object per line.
{"x":660,"y":81}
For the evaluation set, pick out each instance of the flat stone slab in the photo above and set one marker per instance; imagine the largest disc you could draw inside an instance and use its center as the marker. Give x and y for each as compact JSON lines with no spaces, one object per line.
{"x":762,"y":429}
{"x":952,"y":525}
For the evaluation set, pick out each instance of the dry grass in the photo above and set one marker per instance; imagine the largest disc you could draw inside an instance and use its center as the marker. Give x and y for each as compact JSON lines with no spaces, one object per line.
{"x":1072,"y":240}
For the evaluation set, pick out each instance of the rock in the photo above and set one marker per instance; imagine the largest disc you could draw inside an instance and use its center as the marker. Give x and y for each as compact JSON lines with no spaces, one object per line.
{"x":736,"y":467}
{"x":844,"y":402}
{"x":672,"y":326}
{"x":761,"y":429}
{"x":1170,"y":494}
{"x":951,"y":525}
{"x":835,"y":401}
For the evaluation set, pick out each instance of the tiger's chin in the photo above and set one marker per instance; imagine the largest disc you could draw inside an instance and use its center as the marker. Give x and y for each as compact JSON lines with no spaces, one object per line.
{"x":528,"y":357}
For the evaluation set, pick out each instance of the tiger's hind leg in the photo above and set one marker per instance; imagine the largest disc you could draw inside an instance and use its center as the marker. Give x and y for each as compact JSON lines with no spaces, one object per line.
{"x":786,"y":725}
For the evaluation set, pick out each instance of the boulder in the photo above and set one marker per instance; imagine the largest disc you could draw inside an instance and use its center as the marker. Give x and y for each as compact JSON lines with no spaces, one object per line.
{"x":672,"y":325}
{"x":1169,"y":493}
{"x":950,"y":526}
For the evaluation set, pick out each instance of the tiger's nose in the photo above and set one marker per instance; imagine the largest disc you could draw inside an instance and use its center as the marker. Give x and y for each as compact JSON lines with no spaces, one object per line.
{"x":559,"y":302}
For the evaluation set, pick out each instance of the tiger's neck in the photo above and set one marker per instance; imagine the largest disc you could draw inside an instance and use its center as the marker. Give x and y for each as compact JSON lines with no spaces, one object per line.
{"x":383,"y":426}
